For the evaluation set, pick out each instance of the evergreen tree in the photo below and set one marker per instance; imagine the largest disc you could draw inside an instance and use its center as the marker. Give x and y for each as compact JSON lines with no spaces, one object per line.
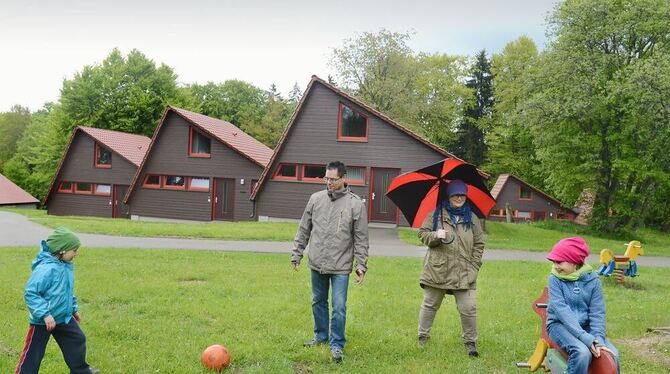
{"x":470,"y":144}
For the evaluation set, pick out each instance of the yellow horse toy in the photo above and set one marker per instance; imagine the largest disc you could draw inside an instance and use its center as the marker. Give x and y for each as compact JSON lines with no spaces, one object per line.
{"x":625,"y":263}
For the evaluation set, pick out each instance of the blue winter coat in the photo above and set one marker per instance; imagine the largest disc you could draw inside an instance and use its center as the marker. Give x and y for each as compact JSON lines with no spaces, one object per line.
{"x":579,"y":306}
{"x":50,"y":289}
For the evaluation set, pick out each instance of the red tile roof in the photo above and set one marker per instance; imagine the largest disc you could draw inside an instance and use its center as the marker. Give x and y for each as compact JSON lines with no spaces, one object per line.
{"x":230,"y":135}
{"x":375,"y":112}
{"x":223,"y":131}
{"x":130,"y":146}
{"x":502,"y":180}
{"x":12,"y":194}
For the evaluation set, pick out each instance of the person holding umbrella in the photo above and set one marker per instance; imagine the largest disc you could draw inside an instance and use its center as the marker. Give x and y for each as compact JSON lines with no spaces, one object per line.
{"x":455,"y":241}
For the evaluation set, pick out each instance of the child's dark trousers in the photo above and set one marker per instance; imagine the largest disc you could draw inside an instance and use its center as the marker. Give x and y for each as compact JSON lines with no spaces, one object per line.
{"x":70,"y":339}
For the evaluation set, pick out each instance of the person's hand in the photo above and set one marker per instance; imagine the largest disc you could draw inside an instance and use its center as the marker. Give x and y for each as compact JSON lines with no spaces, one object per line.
{"x":77,"y":317}
{"x":595,"y":350}
{"x":360,"y":275}
{"x":295,"y":265}
{"x":441,"y":234}
{"x":50,"y":322}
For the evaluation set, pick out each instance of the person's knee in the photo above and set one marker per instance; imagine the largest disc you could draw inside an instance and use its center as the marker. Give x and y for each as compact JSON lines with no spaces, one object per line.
{"x":468,"y":309}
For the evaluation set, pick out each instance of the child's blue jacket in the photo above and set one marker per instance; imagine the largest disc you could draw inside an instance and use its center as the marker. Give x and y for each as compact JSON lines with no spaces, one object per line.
{"x":50,"y":289}
{"x":579,"y":306}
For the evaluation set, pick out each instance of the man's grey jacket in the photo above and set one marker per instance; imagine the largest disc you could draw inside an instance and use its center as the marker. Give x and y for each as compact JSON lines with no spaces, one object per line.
{"x":335,"y":224}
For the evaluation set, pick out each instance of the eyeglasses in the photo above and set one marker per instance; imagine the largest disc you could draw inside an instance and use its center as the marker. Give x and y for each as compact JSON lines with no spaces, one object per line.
{"x":331,"y":180}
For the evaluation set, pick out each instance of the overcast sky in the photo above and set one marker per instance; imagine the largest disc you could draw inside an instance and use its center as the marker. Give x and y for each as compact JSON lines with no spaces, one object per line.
{"x":261,"y":42}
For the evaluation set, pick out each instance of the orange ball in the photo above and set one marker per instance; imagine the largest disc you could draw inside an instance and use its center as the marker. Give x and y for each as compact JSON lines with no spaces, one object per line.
{"x":215,"y":357}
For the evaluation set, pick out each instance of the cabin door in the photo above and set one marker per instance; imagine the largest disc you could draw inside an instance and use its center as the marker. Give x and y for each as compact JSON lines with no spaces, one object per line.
{"x":119,"y":208}
{"x":224,"y":199}
{"x":382,"y":208}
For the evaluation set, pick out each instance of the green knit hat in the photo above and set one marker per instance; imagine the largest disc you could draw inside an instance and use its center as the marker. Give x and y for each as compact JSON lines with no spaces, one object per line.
{"x":62,"y":240}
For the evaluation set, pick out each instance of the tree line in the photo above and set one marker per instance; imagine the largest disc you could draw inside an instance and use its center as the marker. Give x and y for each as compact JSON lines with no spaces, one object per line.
{"x":590,"y":111}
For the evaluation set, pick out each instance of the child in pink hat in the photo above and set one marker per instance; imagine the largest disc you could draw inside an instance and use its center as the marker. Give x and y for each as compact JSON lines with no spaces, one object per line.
{"x":576,"y":312}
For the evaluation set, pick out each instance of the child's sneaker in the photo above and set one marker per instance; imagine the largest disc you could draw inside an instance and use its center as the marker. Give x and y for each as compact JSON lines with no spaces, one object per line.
{"x":423,"y":340}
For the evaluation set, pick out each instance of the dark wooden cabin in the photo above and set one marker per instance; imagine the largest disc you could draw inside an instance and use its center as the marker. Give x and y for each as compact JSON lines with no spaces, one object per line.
{"x":197,"y":168}
{"x":94,"y":173}
{"x":330,"y":125}
{"x":526,"y":202}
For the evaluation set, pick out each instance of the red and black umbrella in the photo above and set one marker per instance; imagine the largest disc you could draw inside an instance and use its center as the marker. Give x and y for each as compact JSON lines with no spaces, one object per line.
{"x":417,"y":193}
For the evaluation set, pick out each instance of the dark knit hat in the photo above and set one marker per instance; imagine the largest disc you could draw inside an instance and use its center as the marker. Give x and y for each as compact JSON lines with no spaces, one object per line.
{"x":62,"y":240}
{"x":457,"y":187}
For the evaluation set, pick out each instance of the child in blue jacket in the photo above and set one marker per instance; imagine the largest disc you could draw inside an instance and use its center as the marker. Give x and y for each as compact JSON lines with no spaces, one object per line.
{"x":49,"y":295}
{"x":576,"y":312}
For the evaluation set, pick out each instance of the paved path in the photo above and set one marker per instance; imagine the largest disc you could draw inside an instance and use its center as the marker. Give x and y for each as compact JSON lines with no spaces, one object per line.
{"x":18,"y":230}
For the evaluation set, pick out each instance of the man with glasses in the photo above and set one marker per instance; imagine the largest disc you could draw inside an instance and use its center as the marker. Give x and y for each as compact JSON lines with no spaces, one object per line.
{"x":335,"y":224}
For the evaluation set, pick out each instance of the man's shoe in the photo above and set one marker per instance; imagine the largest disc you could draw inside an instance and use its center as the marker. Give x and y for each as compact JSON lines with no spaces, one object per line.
{"x":313,"y":343}
{"x":423,"y":340}
{"x":472,"y":349}
{"x":337,"y":355}
{"x":94,"y":371}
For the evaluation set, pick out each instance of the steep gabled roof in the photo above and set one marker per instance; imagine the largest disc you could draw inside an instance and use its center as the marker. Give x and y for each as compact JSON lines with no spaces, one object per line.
{"x":131,"y":147}
{"x":356,"y":101}
{"x":230,"y":135}
{"x":223,"y":131}
{"x":500,"y":182}
{"x":504,"y":178}
{"x":11,"y":194}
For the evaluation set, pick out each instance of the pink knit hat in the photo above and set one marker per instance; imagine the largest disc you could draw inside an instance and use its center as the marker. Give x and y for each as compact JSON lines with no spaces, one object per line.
{"x":574,"y":250}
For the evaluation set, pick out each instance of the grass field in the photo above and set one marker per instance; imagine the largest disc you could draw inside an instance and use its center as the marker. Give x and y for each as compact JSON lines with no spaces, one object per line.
{"x":154,"y":311}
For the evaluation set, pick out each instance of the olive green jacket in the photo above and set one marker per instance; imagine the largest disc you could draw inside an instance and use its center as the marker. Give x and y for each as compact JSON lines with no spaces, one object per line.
{"x":336,"y":227}
{"x":452,"y":263}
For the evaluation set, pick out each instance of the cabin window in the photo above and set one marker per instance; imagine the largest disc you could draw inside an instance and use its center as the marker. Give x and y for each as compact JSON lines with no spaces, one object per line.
{"x":103,"y":157}
{"x":175,"y":182}
{"x":287,"y":172}
{"x":525,"y":193}
{"x":313,"y":173}
{"x":356,"y":175}
{"x":83,"y":188}
{"x":65,"y":187}
{"x":152,"y":181}
{"x":199,"y":184}
{"x":352,"y":125}
{"x":103,"y":189}
{"x":498,"y":212}
{"x":524,"y":215}
{"x":199,"y":144}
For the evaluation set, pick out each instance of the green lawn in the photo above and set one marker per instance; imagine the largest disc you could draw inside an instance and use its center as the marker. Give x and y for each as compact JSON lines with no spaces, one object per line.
{"x":263,"y":231}
{"x":541,"y":237}
{"x":154,"y":311}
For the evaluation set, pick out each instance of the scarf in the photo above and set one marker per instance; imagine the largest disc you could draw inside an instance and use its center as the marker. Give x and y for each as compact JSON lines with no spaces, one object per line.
{"x":585,"y":269}
{"x":464,"y":212}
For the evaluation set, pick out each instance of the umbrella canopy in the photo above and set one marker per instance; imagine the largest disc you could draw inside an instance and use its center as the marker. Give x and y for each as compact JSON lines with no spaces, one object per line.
{"x":417,"y":193}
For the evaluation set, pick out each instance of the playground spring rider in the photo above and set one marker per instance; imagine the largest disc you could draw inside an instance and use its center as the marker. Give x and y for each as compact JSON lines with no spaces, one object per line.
{"x":621,"y":266}
{"x":549,"y":357}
